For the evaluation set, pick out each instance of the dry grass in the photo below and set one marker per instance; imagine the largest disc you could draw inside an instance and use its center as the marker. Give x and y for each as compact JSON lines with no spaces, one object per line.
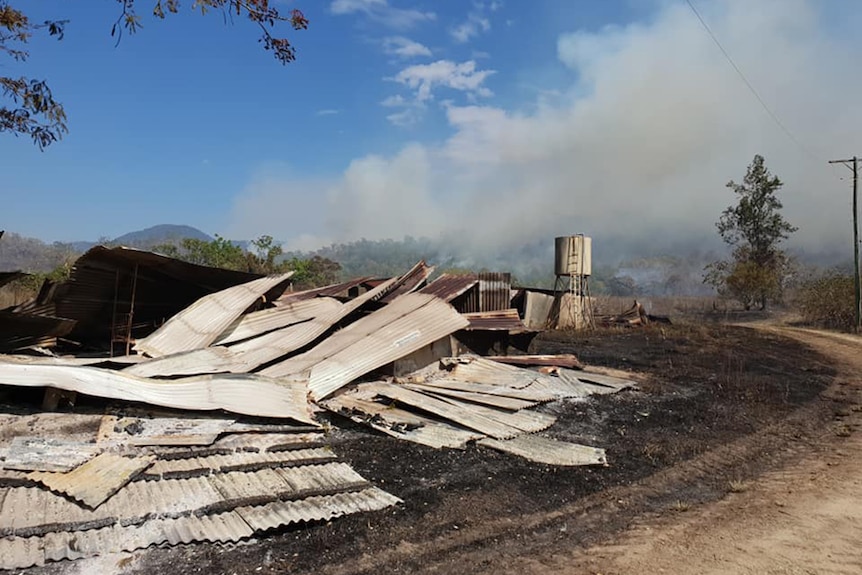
{"x":737,"y":486}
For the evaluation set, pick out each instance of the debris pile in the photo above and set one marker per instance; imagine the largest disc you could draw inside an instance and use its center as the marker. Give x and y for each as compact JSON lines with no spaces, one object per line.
{"x":427,"y":362}
{"x":634,"y":316}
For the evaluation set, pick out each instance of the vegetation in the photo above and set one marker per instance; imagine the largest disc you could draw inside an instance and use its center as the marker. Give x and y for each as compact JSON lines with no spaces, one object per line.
{"x":266,"y":257}
{"x":31,"y":109}
{"x":754,"y":228}
{"x":827,"y":301}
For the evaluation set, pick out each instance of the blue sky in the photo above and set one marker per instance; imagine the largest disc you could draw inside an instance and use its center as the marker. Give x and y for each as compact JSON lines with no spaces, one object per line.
{"x":406,"y":116}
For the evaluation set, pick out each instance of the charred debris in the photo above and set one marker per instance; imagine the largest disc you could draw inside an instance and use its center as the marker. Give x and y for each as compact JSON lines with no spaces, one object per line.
{"x":214,"y":387}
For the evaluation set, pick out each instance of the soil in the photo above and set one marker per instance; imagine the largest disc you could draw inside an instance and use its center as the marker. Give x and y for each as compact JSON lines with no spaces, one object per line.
{"x":719,"y":409}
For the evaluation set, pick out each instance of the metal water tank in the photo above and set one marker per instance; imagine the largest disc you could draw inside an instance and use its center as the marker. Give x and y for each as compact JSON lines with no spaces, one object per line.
{"x":573,"y":256}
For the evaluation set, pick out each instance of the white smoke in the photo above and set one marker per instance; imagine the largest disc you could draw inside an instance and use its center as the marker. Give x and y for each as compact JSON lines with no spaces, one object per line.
{"x":638,"y":149}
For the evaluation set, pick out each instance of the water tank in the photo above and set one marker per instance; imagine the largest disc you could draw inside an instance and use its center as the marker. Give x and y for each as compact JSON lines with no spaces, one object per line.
{"x":573,"y":256}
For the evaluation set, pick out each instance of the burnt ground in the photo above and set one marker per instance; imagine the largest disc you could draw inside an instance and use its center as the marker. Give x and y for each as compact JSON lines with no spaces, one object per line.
{"x":718,"y":404}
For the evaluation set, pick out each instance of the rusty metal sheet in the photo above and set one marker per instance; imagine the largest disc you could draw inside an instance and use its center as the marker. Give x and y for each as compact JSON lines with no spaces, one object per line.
{"x":246,"y":394}
{"x":548,"y":451}
{"x":493,"y":400}
{"x":263,"y":321}
{"x":96,"y":481}
{"x":466,"y":416}
{"x":399,"y":423}
{"x":319,"y":508}
{"x":616,"y":383}
{"x":162,"y":430}
{"x":22,"y":330}
{"x":48,"y":454}
{"x":333,"y":290}
{"x":495,"y":291}
{"x":402,"y":327}
{"x":502,"y":320}
{"x":234,"y":525}
{"x":566,"y":360}
{"x":525,"y":393}
{"x":480,"y":370}
{"x":241,"y":461}
{"x":196,"y":362}
{"x":449,"y":286}
{"x":410,"y":281}
{"x":201,"y":323}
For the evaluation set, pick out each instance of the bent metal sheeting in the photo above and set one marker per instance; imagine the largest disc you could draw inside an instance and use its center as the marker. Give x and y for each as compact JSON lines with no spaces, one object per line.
{"x":200,"y":324}
{"x":246,"y":394}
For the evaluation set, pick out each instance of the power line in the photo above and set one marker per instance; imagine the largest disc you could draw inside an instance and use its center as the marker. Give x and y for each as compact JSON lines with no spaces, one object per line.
{"x":769,"y":111}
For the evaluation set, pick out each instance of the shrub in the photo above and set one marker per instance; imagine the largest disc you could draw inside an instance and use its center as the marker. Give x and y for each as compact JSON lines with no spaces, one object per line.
{"x":827,"y":301}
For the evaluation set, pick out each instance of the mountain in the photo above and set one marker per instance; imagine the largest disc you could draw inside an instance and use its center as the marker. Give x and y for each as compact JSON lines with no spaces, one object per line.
{"x":162,"y":233}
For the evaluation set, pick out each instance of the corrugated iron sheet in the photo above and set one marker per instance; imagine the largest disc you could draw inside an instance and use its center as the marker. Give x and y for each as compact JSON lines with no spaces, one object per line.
{"x":22,"y":330}
{"x":9,"y":277}
{"x":201,"y":323}
{"x":235,"y":525}
{"x":260,"y":322}
{"x":246,"y":394}
{"x":371,"y":342}
{"x":399,"y":423}
{"x":95,"y":481}
{"x":564,"y":360}
{"x":242,"y":461}
{"x":502,"y":320}
{"x":480,"y":370}
{"x":492,"y":400}
{"x":215,"y":359}
{"x":449,"y":286}
{"x":410,"y":281}
{"x":524,"y":393}
{"x":495,"y":290}
{"x":617,"y":383}
{"x":161,"y":430}
{"x":47,"y":454}
{"x":548,"y":451}
{"x":466,"y":416}
{"x":101,"y":284}
{"x":334,"y":290}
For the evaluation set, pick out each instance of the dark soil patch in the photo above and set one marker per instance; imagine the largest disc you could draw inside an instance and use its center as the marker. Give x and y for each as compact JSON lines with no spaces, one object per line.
{"x":708,"y":387}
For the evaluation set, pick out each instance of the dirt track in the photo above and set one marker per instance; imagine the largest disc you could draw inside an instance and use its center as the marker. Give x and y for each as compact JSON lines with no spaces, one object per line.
{"x":805,"y":517}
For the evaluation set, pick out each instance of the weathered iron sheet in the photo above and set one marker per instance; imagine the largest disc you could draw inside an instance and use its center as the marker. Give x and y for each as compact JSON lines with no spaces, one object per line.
{"x":102,"y":282}
{"x":567,"y":360}
{"x":201,"y":323}
{"x":95,"y":481}
{"x":22,"y":330}
{"x":448,"y":286}
{"x":334,"y":290}
{"x":480,"y":370}
{"x":402,"y":333}
{"x":548,"y":451}
{"x":493,"y":400}
{"x":396,"y":422}
{"x":162,"y":430}
{"x":260,"y":322}
{"x":617,"y":383}
{"x":42,"y":454}
{"x":318,"y":508}
{"x":502,"y":320}
{"x":27,"y":511}
{"x":246,"y":394}
{"x":241,"y":461}
{"x":525,"y":420}
{"x":410,"y":281}
{"x":526,"y":393}
{"x":234,"y":525}
{"x":467,"y":416}
{"x":495,"y":291}
{"x":196,"y":362}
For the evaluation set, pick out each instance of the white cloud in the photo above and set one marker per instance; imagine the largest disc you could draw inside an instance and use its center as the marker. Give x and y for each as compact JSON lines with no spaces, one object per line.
{"x":404,"y":47}
{"x":638,"y":146}
{"x":464,"y":77}
{"x":380,"y":11}
{"x":475,"y":24}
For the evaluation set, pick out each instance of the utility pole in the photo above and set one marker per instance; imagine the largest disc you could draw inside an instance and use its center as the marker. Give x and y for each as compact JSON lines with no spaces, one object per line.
{"x":854,"y":161}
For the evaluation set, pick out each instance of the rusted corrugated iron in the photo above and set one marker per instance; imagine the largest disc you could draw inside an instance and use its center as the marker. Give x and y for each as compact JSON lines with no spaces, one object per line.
{"x":495,"y":291}
{"x":98,"y":293}
{"x":449,"y":286}
{"x":409,"y":281}
{"x":503,"y":320}
{"x":341,"y":290}
{"x":20,"y":330}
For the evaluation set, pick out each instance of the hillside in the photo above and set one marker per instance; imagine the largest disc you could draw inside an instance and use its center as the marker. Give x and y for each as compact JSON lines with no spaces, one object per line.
{"x":159,"y":234}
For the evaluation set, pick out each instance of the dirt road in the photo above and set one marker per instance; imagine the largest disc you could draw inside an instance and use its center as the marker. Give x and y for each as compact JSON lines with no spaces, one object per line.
{"x":802,"y":519}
